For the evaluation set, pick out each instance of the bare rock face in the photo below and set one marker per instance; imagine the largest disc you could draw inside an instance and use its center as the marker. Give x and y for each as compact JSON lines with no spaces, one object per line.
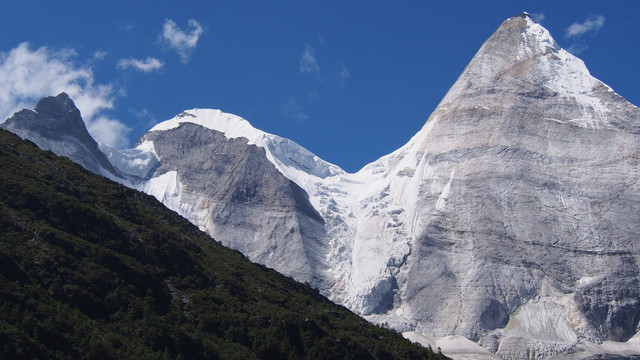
{"x":533,"y":245}
{"x":230,"y":189}
{"x":55,"y":124}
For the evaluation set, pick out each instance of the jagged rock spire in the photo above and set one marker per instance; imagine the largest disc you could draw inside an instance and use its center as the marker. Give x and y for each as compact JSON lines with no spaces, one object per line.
{"x":56,"y":124}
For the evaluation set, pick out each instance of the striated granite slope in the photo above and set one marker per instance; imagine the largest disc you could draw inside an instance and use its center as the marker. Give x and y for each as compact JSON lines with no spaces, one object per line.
{"x":229,"y":188}
{"x":523,"y":231}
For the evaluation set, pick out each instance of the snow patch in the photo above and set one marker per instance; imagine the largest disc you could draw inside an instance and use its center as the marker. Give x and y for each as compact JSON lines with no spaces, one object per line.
{"x":569,"y":77}
{"x":454,"y":346}
{"x":140,"y":161}
{"x":586,"y":280}
{"x":166,"y":188}
{"x":535,"y":40}
{"x":445,"y":192}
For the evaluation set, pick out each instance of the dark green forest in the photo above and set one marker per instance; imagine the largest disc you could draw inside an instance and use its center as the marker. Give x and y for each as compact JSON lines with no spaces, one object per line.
{"x":90,"y":269}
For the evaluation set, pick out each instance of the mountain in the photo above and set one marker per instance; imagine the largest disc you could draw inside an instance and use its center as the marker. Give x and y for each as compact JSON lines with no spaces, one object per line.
{"x":213,"y":172}
{"x":519,"y":200}
{"x":55,"y":124}
{"x":90,"y":269}
{"x":505,"y":228}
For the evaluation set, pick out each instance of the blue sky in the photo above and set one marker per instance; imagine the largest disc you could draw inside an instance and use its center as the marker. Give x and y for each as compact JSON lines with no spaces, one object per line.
{"x":349,"y":80}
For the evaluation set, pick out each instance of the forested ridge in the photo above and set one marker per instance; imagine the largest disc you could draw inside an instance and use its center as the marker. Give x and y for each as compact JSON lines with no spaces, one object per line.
{"x":90,"y":269}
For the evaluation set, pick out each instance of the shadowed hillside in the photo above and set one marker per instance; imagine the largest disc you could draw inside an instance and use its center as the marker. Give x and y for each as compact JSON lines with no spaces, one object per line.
{"x":90,"y":269}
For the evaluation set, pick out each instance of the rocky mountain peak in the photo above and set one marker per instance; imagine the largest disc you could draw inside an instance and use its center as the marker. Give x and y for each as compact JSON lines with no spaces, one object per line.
{"x":521,"y":63}
{"x":523,"y":14}
{"x":518,"y":40}
{"x":58,"y":106}
{"x":56,"y":124}
{"x":524,"y":37}
{"x":61,"y":114}
{"x":55,"y":114}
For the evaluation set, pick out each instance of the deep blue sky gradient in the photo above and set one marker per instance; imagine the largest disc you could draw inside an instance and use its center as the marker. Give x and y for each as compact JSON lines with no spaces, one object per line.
{"x":401,"y":57}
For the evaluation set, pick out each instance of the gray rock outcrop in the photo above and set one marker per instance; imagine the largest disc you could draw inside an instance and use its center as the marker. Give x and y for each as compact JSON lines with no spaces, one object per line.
{"x":230,"y":189}
{"x":56,"y":124}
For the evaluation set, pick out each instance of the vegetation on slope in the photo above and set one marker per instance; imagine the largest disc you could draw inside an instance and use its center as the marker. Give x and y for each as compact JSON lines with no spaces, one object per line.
{"x":90,"y":269}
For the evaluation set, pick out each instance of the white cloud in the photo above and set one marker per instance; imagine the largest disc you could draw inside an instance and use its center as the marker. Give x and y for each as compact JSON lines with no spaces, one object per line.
{"x":182,"y":41}
{"x":146,"y":66}
{"x":592,"y":23}
{"x":293,"y":110}
{"x":109,"y":131}
{"x":99,"y":55}
{"x":28,"y":75}
{"x":308,"y":63}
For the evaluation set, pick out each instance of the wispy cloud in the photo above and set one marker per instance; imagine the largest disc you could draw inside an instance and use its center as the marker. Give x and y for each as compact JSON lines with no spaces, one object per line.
{"x":146,"y":66}
{"x":144,"y":117}
{"x":292,"y":109}
{"x":345,"y":73}
{"x":28,"y":75}
{"x":109,"y":131}
{"x":538,"y":17}
{"x":592,"y":23}
{"x":577,"y":48}
{"x":576,"y":30}
{"x":124,"y":27}
{"x":308,"y":63}
{"x":183,"y":42}
{"x":99,"y":55}
{"x":95,"y":59}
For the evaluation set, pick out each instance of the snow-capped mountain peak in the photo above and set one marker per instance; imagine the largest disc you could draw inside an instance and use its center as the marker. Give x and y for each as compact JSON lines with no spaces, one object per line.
{"x":522,"y":50}
{"x":291,"y":159}
{"x":230,"y":125}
